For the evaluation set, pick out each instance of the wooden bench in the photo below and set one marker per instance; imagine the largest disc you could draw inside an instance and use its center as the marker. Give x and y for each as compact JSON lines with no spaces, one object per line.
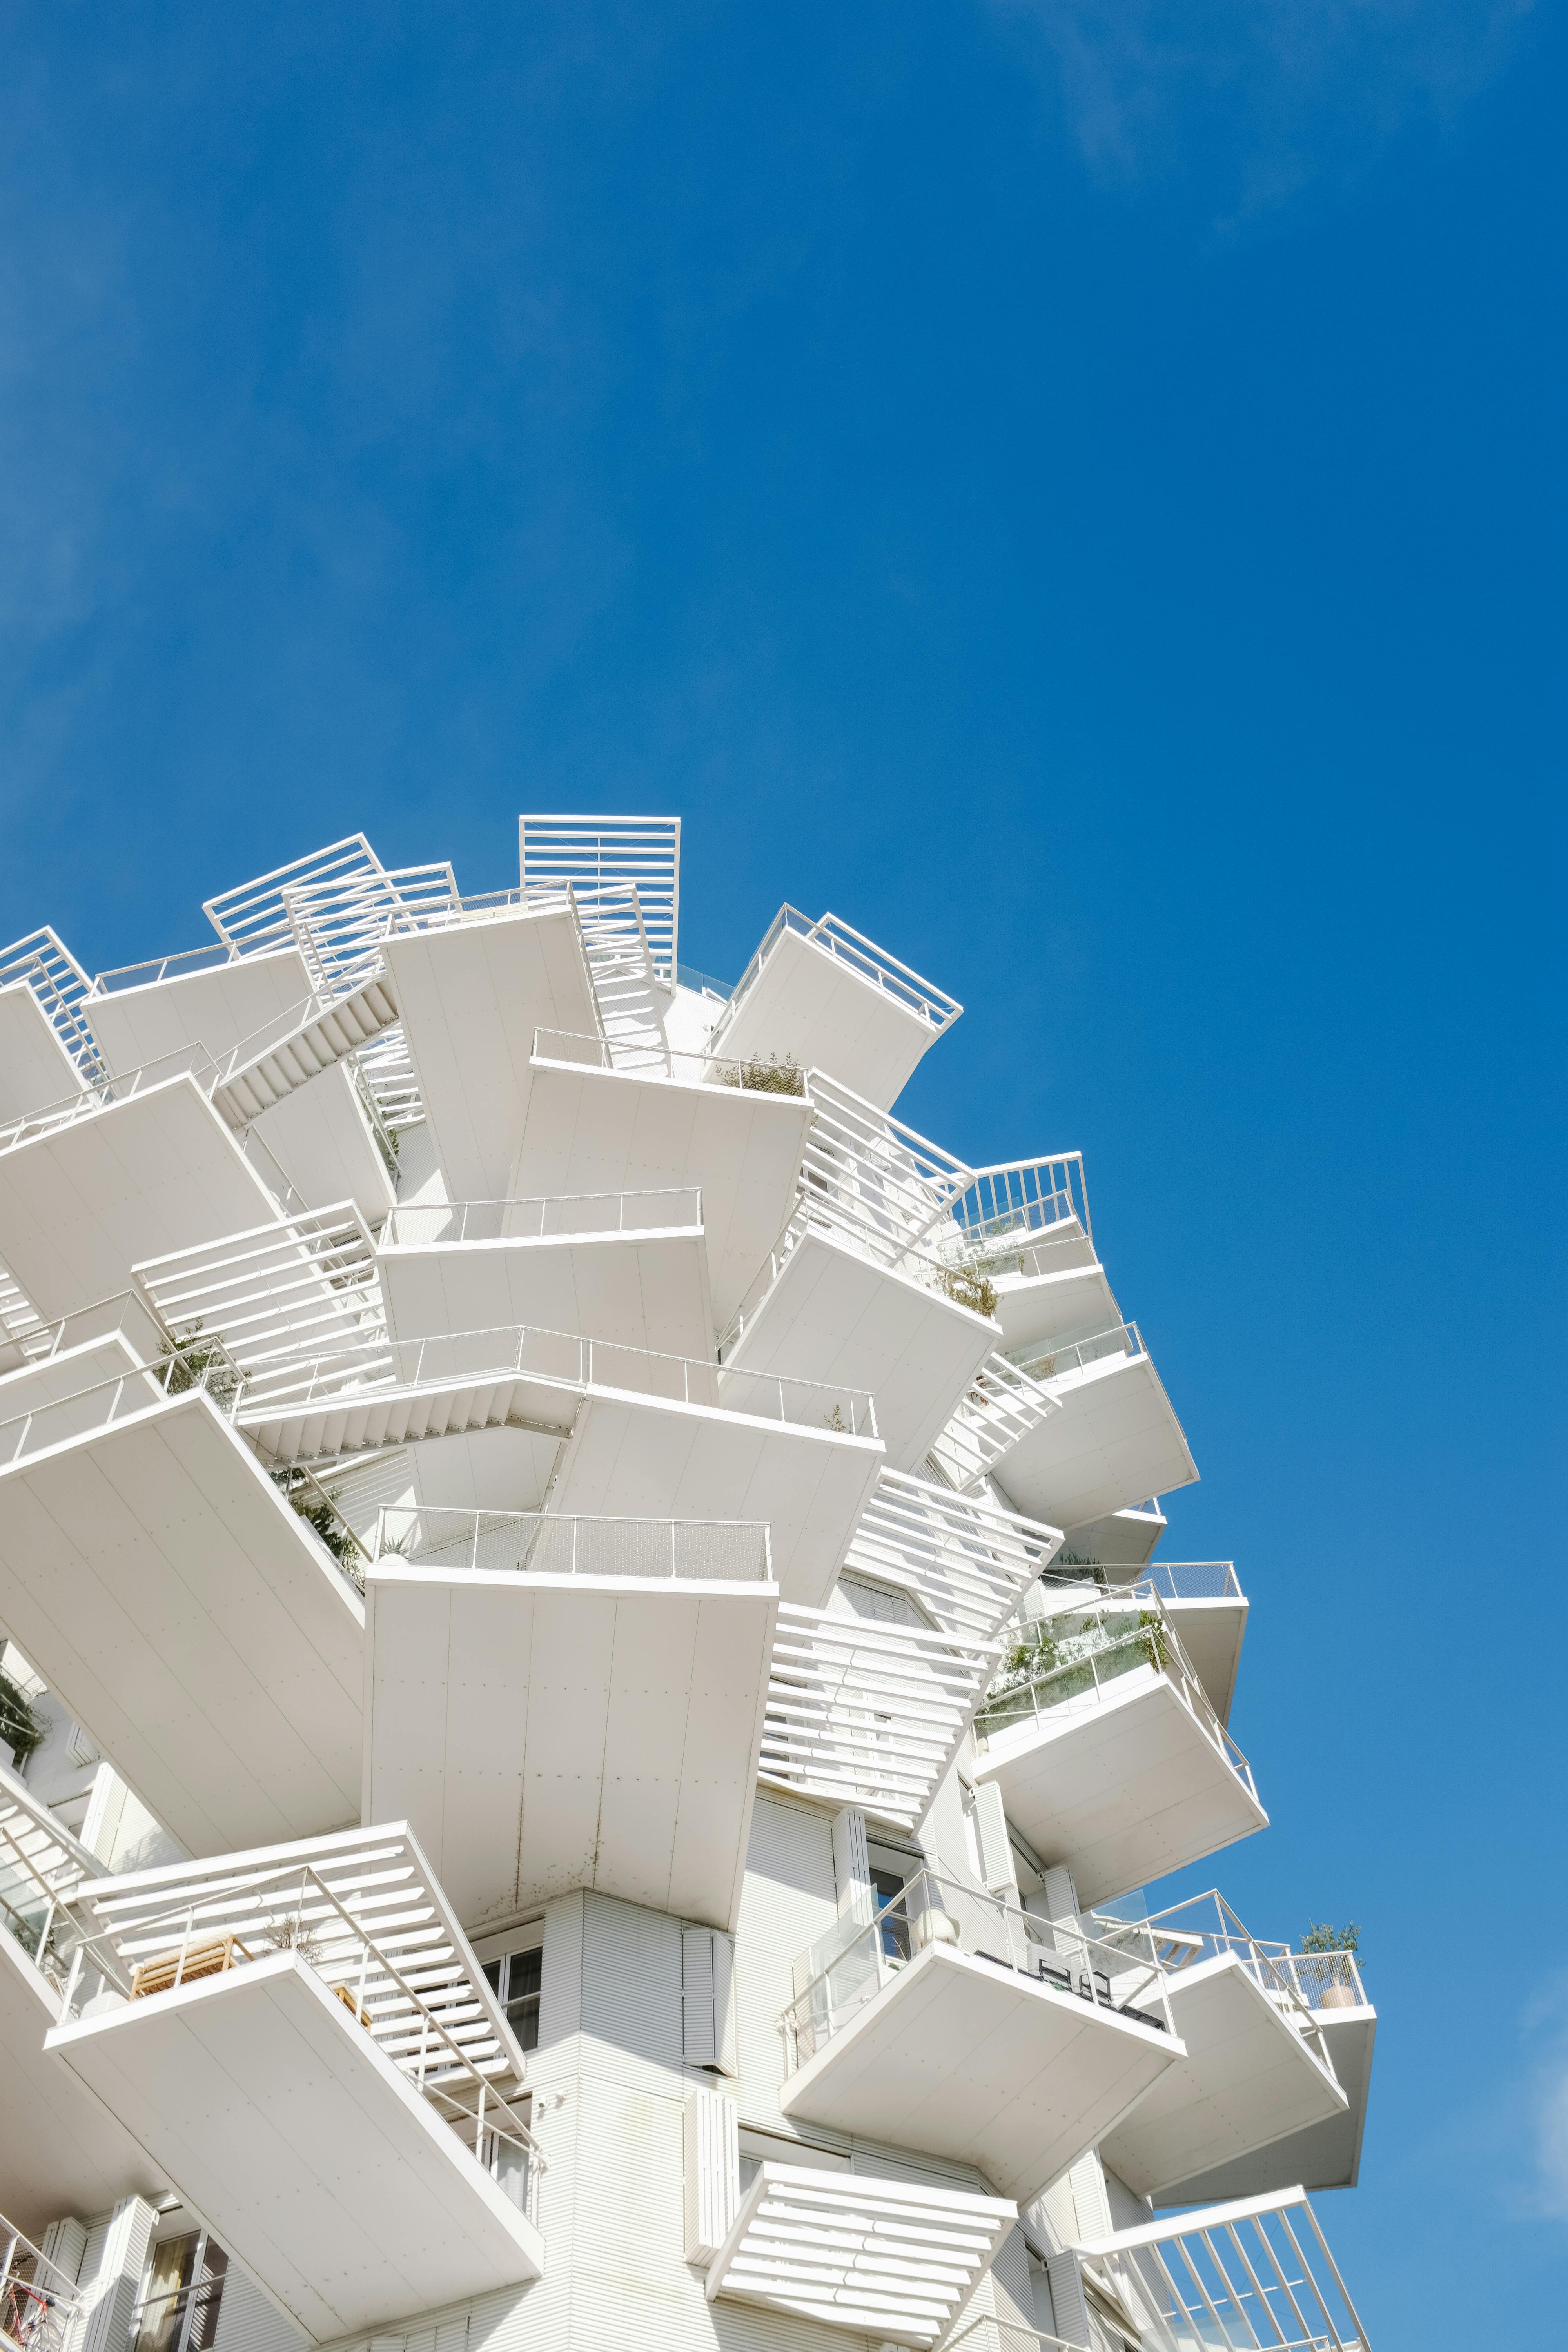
{"x":209,"y":1959}
{"x":351,"y":2005}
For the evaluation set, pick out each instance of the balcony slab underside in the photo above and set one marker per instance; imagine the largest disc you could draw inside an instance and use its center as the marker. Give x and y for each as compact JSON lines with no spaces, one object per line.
{"x":832,"y":1316}
{"x":82,"y":1205}
{"x":303,"y":2148}
{"x":1248,"y":2080}
{"x":813,"y":1005}
{"x":1114,"y":1442}
{"x":1211,"y":1633}
{"x":60,"y":2151}
{"x":1325,"y":2155}
{"x":191,"y":1623}
{"x":542,"y":1733}
{"x":591,"y":1131}
{"x":1121,"y":1788}
{"x":640,"y":1457}
{"x":633,"y":1289}
{"x":471,"y":996}
{"x":34,"y":1068}
{"x":961,"y":2057}
{"x":1071,"y":1303}
{"x":1120,"y":1538}
{"x":319,"y":1134}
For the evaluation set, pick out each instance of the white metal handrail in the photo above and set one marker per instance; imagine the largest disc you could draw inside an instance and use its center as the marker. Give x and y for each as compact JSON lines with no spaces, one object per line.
{"x":1192,"y":1579}
{"x":146,"y":974}
{"x":839,"y":1975}
{"x":557,"y":1216}
{"x":593,"y":853}
{"x":1011,"y":1206}
{"x":1063,"y":1359}
{"x":38,"y":2300}
{"x":1204,"y":1927}
{"x":569,"y":1049}
{"x":1001,"y":1405}
{"x":539,"y":1543}
{"x":1223,"y":2276}
{"x":42,"y":1867}
{"x":858,"y":954}
{"x":59,"y":986}
{"x":965,"y":1559}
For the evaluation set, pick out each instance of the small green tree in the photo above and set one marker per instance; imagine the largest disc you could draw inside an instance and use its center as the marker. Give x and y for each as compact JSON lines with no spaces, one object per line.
{"x":1320,"y":1937}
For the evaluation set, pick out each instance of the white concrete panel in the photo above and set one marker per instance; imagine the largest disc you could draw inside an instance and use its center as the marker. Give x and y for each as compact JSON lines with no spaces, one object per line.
{"x":471,"y":997}
{"x":636,"y":1289}
{"x":810,"y":1003}
{"x":80,"y":1207}
{"x":1073,"y":1303}
{"x":43,"y":1404}
{"x":1211,"y":1633}
{"x":321,"y":1139}
{"x":304,"y":2150}
{"x":1247,"y":2078}
{"x":1120,"y":1789}
{"x":216,"y":1008}
{"x":546,"y":1732}
{"x":1120,"y":1538}
{"x":1325,"y":2155}
{"x":1115,"y":1442}
{"x":60,"y":2151}
{"x":591,"y":1131}
{"x":640,"y":1457}
{"x":832,"y":1316}
{"x":158,"y":1583}
{"x":484,"y":1470}
{"x":34,"y":1068}
{"x":961,"y":2057}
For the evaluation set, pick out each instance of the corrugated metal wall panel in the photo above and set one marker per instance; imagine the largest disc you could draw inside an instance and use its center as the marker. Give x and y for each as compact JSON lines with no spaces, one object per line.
{"x":632,"y":1997}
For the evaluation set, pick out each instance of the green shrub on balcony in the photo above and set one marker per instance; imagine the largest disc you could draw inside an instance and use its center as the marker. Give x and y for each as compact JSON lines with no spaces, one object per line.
{"x":21,"y":1728}
{"x":968,"y":1285}
{"x":770,"y":1077}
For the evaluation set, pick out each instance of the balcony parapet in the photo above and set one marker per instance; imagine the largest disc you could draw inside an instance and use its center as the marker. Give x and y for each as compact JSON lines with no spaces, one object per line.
{"x":539,"y":1543}
{"x":43,"y":1869}
{"x":433,"y":1224}
{"x":1301,"y":1985}
{"x":589,"y":854}
{"x":858,"y":954}
{"x":1258,"y":2272}
{"x":1016,"y":1208}
{"x":633,"y":1058}
{"x":285,"y":1289}
{"x":38,"y":2302}
{"x":60,"y":987}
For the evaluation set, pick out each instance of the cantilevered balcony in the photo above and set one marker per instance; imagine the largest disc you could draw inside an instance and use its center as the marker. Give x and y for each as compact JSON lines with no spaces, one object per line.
{"x":1204,"y":1602}
{"x":565,"y":1702}
{"x":628,"y":1267}
{"x":603,"y":1119}
{"x":614,"y":1433}
{"x":1256,"y":2274}
{"x":1259,"y":2070}
{"x":35,"y":1067}
{"x":188,"y":1618}
{"x":960,"y":1558}
{"x":1322,"y":1996}
{"x":44,"y":964}
{"x":311,"y":2048}
{"x":867,"y":1714}
{"x":1024,"y":1225}
{"x":126,"y":1170}
{"x":40,"y":2305}
{"x":847,"y":1292}
{"x":892,"y":2260}
{"x":61,"y":2151}
{"x":949,"y":2022}
{"x":827,"y":998}
{"x":1107,"y":1749}
{"x":1113,"y":1440}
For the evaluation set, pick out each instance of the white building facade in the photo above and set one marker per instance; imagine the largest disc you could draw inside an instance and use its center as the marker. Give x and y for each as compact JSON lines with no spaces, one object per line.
{"x":596,"y":1720}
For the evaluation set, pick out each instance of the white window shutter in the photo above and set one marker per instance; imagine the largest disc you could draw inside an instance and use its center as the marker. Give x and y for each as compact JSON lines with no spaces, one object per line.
{"x":851,"y":1862}
{"x":707,"y":1999}
{"x":713,"y":2184}
{"x":996,"y":1849}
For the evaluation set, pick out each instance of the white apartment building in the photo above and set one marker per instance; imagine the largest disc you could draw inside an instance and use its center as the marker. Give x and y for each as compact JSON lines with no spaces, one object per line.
{"x":596,"y":1722}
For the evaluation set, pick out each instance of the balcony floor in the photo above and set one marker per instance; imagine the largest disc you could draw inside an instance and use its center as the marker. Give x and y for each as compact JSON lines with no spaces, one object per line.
{"x":1246,"y":2081}
{"x":832,"y":1316}
{"x":542,"y":1733}
{"x":1122,"y":1788}
{"x":811,"y":1003}
{"x":303,"y":2148}
{"x":1324,"y":2155}
{"x":471,"y":997}
{"x":187,"y":1618}
{"x":80,"y":1207}
{"x":634,"y":1289}
{"x":592,"y":1130}
{"x":962,"y":2058}
{"x":1115,"y":1442}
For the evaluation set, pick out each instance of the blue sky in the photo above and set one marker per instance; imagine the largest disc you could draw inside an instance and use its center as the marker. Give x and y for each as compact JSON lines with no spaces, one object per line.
{"x":1077,"y":490}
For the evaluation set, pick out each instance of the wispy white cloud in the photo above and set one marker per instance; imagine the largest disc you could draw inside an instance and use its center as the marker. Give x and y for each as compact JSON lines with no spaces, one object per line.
{"x":1265,"y":95}
{"x":1546,"y":2094}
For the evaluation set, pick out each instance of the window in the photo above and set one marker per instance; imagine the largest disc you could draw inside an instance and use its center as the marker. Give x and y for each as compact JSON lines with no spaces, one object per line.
{"x":514,"y":1978}
{"x":886,"y":1887}
{"x":179,"y":2308}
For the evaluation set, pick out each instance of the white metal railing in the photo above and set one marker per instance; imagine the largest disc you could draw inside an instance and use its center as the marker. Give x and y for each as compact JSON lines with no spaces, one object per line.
{"x":1007,"y":2336}
{"x":1005,"y":1209}
{"x":156,"y":968}
{"x":1001,"y":1405}
{"x":1192,"y":1579}
{"x":837,"y":1977}
{"x":288,"y":1288}
{"x":593,"y":853}
{"x":859,"y":955}
{"x":1238,"y":2274}
{"x":1078,"y":1655}
{"x":20,"y":1321}
{"x":358,"y":1912}
{"x":964,"y":1558}
{"x":38,"y":2300}
{"x":253,"y":917}
{"x":125,"y":1315}
{"x":60,"y":986}
{"x":42,"y":1869}
{"x":416,"y":1224}
{"x":1205,"y":1927}
{"x":650,"y":1061}
{"x":1067,"y":1360}
{"x":537,"y":1543}
{"x":862,"y":1712}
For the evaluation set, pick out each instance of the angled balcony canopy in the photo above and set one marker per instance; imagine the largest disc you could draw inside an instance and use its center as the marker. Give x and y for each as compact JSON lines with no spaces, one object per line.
{"x":1113,"y":1440}
{"x":1107,"y":1748}
{"x":827,"y":998}
{"x":311,"y":2045}
{"x":558,"y":1702}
